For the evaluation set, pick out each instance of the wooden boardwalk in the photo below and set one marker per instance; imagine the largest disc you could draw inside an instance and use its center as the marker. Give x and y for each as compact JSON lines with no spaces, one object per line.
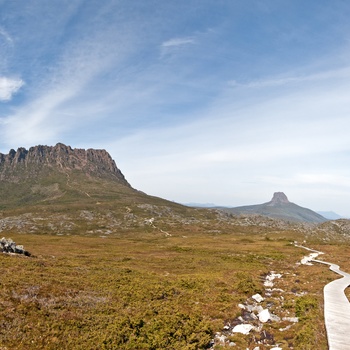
{"x":337,"y":310}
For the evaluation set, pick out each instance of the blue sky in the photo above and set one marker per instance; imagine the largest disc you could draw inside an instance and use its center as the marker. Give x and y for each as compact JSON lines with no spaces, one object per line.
{"x":221,"y":101}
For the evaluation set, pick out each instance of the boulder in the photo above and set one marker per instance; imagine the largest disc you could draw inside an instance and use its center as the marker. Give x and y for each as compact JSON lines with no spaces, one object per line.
{"x":264,"y":315}
{"x":9,"y":246}
{"x":242,"y":328}
{"x":258,"y":298}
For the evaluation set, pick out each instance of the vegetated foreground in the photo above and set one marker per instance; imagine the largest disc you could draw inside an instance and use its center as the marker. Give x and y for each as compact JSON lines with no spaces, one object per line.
{"x":156,"y":292}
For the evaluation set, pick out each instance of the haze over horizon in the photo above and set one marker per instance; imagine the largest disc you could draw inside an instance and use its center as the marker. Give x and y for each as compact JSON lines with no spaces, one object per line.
{"x":203,"y":101}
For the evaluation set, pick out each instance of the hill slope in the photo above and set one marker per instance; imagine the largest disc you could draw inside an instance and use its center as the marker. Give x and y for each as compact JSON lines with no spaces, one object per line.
{"x":60,"y":189}
{"x":330,"y":215}
{"x":60,"y":175}
{"x":280,"y":208}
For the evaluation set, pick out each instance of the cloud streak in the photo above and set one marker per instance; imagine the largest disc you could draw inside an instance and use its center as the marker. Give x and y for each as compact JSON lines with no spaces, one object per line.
{"x":5,"y":35}
{"x":327,"y":75}
{"x":175,"y":42}
{"x":9,"y":87}
{"x":67,"y":92}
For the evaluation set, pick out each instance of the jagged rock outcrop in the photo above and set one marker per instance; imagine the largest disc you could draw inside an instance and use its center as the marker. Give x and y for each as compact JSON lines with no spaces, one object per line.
{"x":61,"y":157}
{"x":278,"y":198}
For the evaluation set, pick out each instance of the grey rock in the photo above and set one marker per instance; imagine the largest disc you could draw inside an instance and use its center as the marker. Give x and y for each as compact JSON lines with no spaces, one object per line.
{"x":9,"y":246}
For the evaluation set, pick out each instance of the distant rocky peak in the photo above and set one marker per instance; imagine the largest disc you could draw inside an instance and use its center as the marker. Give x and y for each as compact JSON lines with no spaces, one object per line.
{"x":279,"y":198}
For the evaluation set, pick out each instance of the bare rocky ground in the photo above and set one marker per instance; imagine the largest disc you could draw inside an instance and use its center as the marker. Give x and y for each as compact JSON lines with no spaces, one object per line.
{"x":162,"y":220}
{"x":105,"y":222}
{"x":262,"y":311}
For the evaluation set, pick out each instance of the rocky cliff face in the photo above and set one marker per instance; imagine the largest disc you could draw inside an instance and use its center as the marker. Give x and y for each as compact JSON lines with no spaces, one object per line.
{"x":278,"y":199}
{"x":60,"y":157}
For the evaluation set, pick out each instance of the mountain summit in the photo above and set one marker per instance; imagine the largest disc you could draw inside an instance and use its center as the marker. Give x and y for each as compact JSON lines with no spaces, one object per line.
{"x":280,"y":208}
{"x":60,"y":175}
{"x":23,"y":163}
{"x":278,"y":199}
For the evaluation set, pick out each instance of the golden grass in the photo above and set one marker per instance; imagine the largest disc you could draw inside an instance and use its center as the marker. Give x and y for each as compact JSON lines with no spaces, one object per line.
{"x":153,"y":292}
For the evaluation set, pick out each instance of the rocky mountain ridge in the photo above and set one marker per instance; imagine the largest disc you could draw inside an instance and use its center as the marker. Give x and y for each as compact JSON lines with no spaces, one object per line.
{"x":61,"y":157}
{"x":63,"y":183}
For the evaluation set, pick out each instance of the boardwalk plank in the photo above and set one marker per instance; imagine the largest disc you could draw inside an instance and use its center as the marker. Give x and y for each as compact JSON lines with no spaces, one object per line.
{"x":337,"y":310}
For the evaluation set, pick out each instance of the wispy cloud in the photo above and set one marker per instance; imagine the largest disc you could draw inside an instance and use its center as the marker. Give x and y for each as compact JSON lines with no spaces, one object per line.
{"x":5,"y":35}
{"x":289,"y":80}
{"x":178,"y":42}
{"x":8,"y":87}
{"x":67,"y":93}
{"x":175,"y":45}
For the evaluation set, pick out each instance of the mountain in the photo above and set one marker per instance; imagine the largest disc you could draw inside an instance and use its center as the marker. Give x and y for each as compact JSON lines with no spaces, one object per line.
{"x":61,"y":190}
{"x":200,"y":205}
{"x":330,"y":215}
{"x":28,"y":164}
{"x":58,"y":174}
{"x":279,"y":208}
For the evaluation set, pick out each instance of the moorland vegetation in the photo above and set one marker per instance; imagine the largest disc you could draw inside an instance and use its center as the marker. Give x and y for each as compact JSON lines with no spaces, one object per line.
{"x":149,"y":291}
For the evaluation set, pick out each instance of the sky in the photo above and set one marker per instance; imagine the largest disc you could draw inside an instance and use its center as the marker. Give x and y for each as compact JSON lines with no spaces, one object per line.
{"x":205,"y":101}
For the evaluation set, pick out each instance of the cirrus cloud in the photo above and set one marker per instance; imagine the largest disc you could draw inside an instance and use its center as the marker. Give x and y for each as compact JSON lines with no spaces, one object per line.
{"x":178,"y":42}
{"x":5,"y":35}
{"x":8,"y":87}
